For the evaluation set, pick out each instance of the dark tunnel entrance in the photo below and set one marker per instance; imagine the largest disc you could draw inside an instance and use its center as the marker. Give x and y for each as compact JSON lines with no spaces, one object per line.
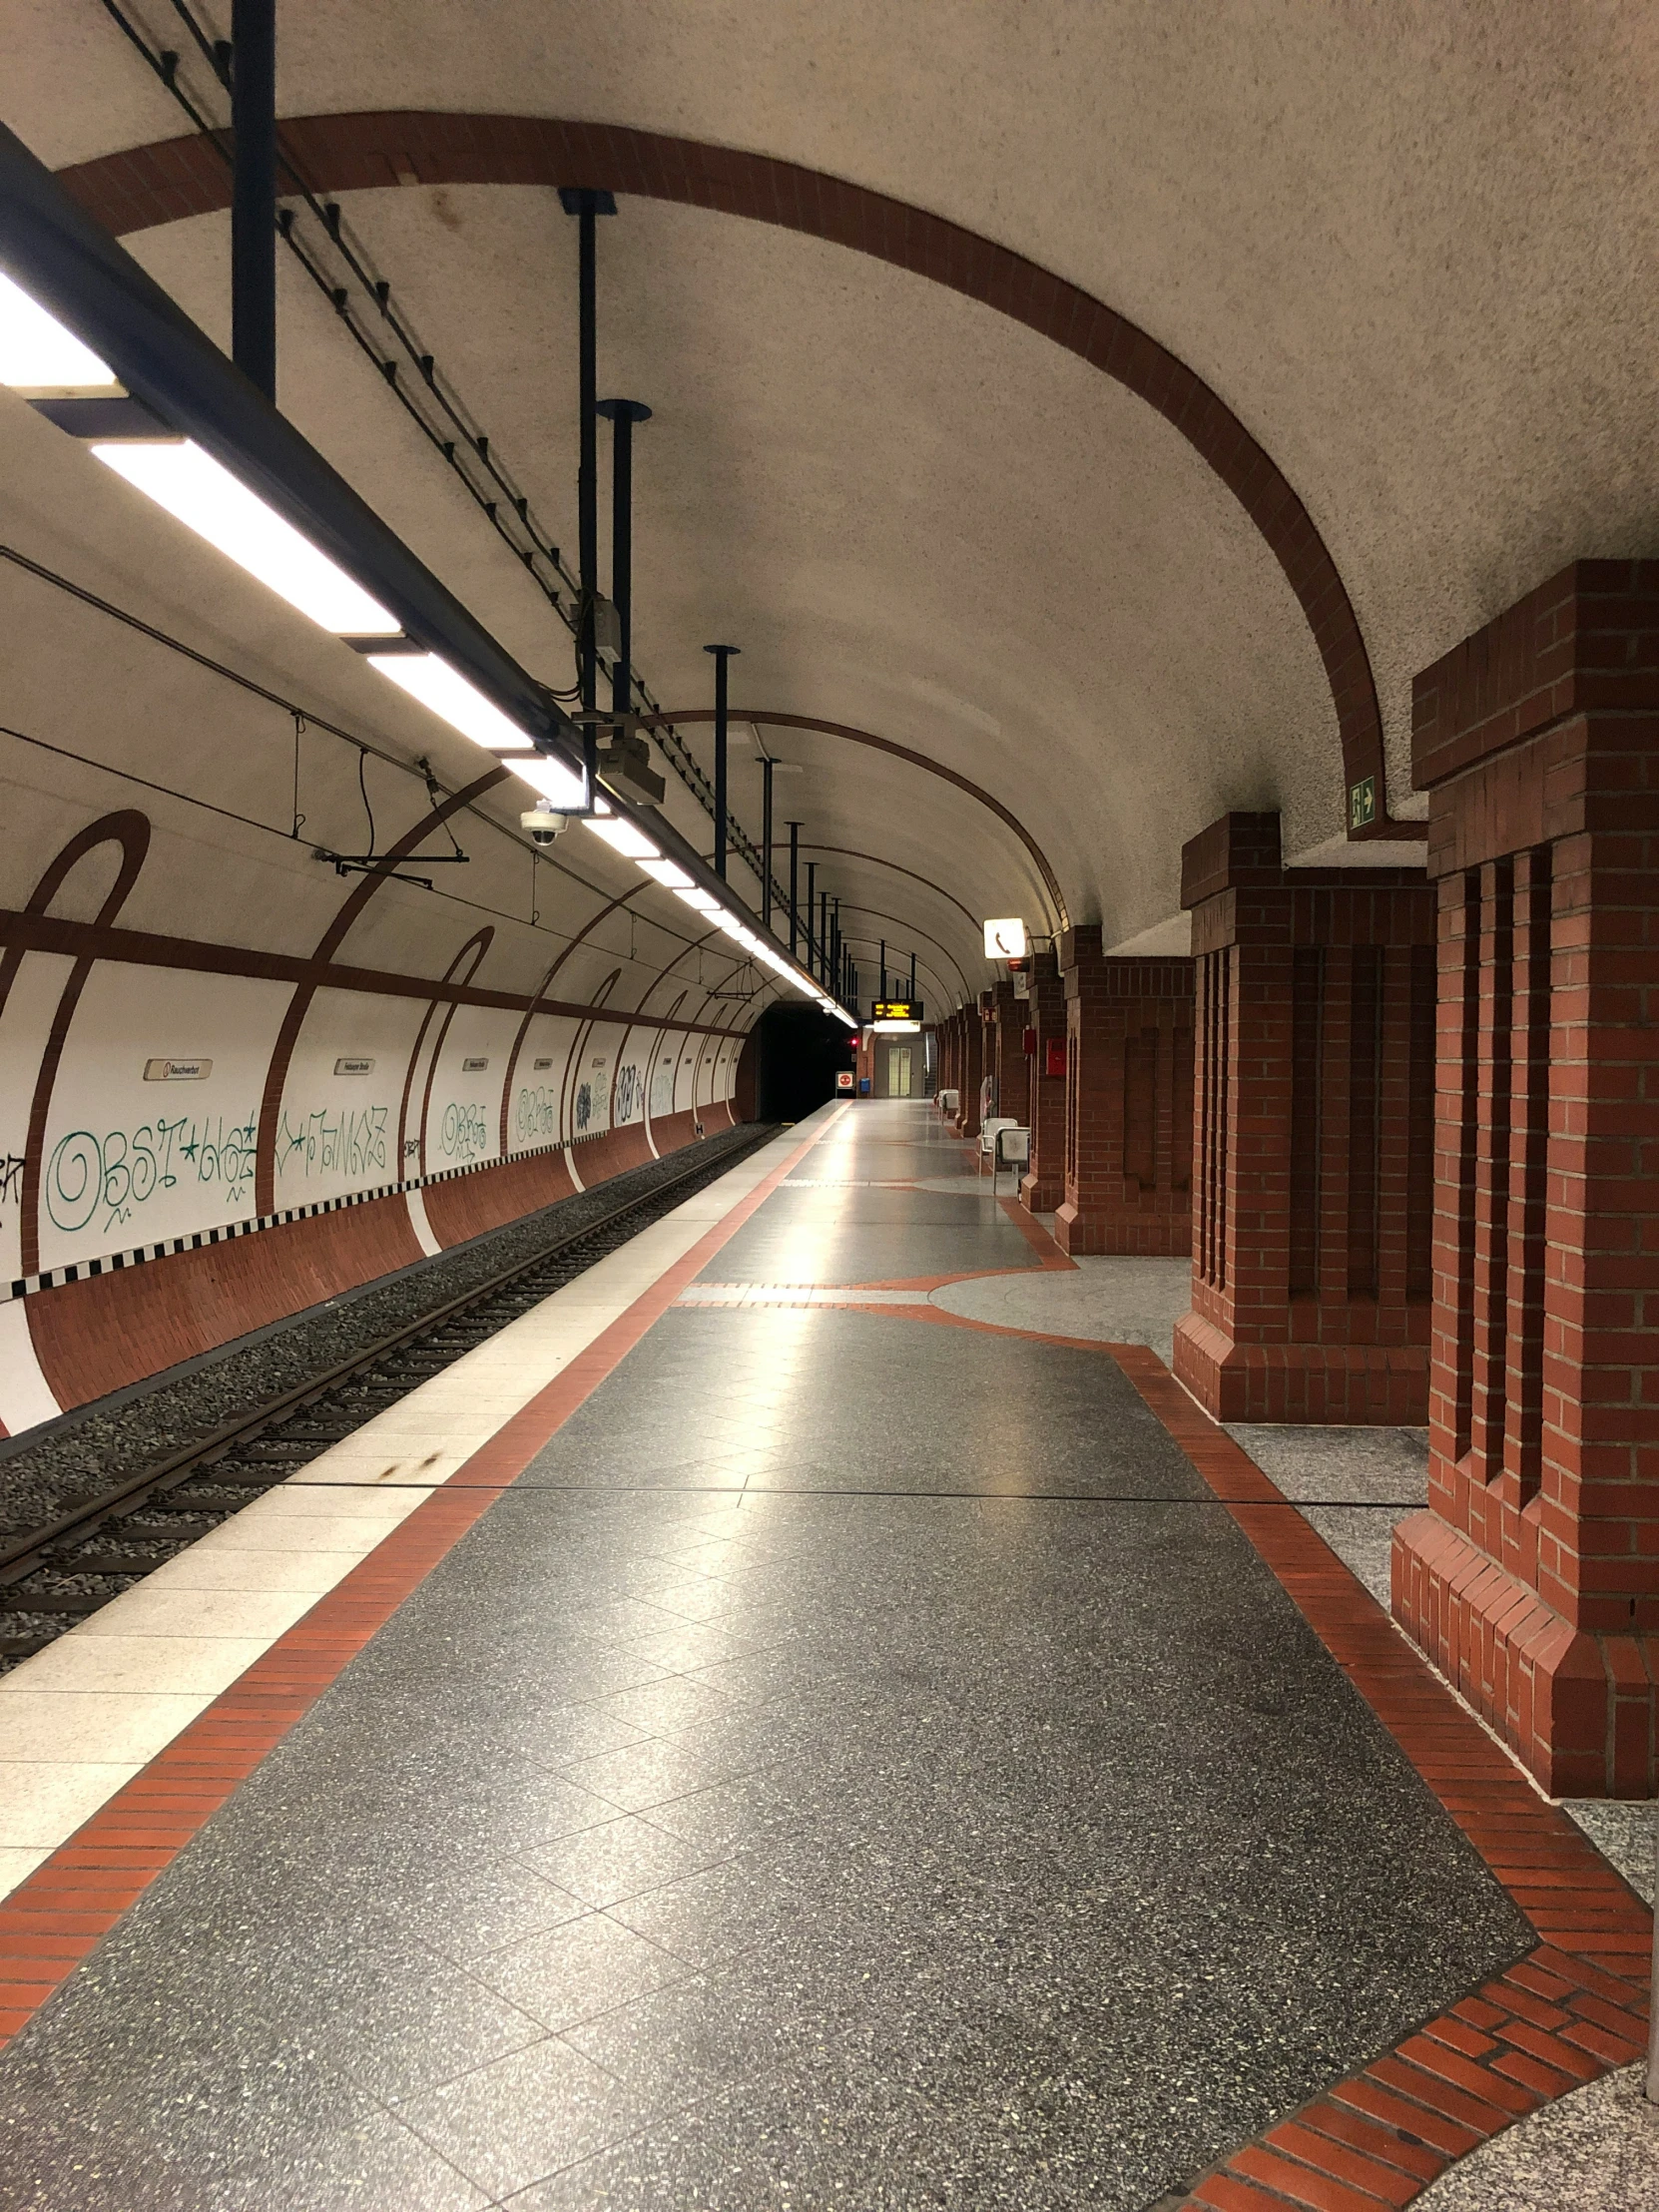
{"x":798,"y":1052}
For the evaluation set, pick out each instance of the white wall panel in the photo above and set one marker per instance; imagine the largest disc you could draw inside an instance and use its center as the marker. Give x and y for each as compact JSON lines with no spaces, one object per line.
{"x":129,"y":1161}
{"x":336,"y":1129}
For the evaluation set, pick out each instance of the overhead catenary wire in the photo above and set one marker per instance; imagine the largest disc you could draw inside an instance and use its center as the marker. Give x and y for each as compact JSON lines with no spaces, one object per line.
{"x":530,"y":543}
{"x":303,"y":717}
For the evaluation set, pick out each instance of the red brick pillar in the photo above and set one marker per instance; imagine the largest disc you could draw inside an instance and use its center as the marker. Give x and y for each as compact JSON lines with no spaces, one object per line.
{"x":1314,"y":1133}
{"x":1043,"y":1185}
{"x":1533,"y":1578}
{"x":973,"y":1068}
{"x":1006,"y":1040}
{"x":1128,"y":1101}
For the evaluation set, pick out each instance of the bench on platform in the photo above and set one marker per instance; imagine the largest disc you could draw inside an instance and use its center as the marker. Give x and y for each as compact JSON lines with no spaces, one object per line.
{"x":1004,"y":1144}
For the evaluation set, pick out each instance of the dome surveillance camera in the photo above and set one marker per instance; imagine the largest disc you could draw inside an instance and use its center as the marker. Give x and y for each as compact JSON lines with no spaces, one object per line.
{"x":543,"y":825}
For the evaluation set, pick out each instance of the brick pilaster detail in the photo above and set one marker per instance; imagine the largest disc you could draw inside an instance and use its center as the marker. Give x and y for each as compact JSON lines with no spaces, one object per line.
{"x":1129,"y":1062}
{"x":1313,"y":1100}
{"x":1533,"y":1578}
{"x":1043,"y":1185}
{"x":1005,"y":1043}
{"x":972,"y":1032}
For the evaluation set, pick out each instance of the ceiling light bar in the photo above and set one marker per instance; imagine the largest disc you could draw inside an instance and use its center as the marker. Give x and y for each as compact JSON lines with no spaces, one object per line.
{"x":669,"y":873}
{"x":97,"y":345}
{"x":207,"y":499}
{"x":550,"y":780}
{"x":430,"y":679}
{"x":622,"y":837}
{"x":41,"y":359}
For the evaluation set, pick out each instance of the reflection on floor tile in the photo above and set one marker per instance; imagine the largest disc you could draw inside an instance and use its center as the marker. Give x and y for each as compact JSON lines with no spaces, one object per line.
{"x":858,"y":1764}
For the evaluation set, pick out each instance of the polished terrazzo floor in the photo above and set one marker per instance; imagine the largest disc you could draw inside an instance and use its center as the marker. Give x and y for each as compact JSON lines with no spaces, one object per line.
{"x":858,"y":1765}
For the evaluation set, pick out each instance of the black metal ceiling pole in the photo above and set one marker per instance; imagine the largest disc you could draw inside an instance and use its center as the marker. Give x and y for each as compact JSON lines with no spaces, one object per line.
{"x":766,"y":840}
{"x":912,"y":978}
{"x":812,"y":917}
{"x":586,"y":205}
{"x":883,"y":992}
{"x":622,"y":415}
{"x":722,"y":653}
{"x":824,"y":936}
{"x":254,"y":192}
{"x":834,"y":944}
{"x":81,"y":275}
{"x":794,"y":887}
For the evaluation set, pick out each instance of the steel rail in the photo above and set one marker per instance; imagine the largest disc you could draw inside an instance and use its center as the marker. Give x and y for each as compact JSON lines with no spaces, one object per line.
{"x":27,"y":1554}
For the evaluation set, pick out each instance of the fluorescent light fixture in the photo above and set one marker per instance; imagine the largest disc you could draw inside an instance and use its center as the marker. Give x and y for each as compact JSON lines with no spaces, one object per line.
{"x":40,"y":358}
{"x":1005,"y":940}
{"x":896,"y":1028}
{"x":561,"y":786}
{"x":669,"y":873}
{"x":622,"y":837}
{"x":696,"y":897}
{"x":207,"y":499}
{"x":430,"y":679}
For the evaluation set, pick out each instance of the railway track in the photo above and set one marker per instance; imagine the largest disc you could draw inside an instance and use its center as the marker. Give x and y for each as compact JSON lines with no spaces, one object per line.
{"x":61,"y":1573}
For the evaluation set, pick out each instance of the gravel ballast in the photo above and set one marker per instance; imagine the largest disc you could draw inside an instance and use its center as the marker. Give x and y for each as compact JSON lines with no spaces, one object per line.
{"x":48,"y":1470}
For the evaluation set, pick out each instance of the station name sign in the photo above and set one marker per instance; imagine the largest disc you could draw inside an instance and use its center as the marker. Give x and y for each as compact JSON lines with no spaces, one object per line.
{"x":896,"y":1009}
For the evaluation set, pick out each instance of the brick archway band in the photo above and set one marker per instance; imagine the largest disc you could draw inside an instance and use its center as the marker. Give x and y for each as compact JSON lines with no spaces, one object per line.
{"x":170,"y":179}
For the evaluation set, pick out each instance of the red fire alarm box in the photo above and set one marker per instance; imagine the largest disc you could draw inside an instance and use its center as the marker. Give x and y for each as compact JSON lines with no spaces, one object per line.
{"x":1030,"y":1046}
{"x":1054,"y":1056}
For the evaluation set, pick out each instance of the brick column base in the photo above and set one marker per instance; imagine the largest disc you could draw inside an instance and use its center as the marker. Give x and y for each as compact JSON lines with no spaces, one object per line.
{"x":1576,"y":1707}
{"x":1122,"y":1236}
{"x":1378,"y":1385}
{"x":1129,"y":1091}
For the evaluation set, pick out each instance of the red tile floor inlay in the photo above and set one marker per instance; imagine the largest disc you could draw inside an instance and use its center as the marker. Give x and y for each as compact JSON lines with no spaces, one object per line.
{"x":1569,"y":2011}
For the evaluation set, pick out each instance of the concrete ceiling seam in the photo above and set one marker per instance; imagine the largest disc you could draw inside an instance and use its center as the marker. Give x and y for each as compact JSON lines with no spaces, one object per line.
{"x":169,"y":180}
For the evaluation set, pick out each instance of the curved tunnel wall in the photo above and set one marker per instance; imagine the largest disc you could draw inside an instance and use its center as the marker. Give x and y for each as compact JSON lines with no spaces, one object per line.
{"x":201,"y":1138}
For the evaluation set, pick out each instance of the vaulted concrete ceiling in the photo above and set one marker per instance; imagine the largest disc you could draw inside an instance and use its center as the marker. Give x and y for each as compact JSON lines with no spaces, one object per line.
{"x":1409,"y":251}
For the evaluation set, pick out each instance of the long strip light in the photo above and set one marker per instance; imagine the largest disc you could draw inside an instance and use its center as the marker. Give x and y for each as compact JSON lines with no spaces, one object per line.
{"x":42,"y":359}
{"x":202,"y":494}
{"x":631,"y":842}
{"x":430,"y":679}
{"x":551,"y":780}
{"x":623,"y":837}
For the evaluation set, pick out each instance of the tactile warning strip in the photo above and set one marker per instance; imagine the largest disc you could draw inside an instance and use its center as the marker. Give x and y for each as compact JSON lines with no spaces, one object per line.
{"x":1572,"y":2009}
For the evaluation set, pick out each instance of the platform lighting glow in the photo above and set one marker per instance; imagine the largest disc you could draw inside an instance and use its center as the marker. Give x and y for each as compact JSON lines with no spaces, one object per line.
{"x":667,"y":872}
{"x":206,"y":498}
{"x":561,"y":786}
{"x":38,"y":355}
{"x":429,"y":677}
{"x":622,"y":837}
{"x":696,"y":899}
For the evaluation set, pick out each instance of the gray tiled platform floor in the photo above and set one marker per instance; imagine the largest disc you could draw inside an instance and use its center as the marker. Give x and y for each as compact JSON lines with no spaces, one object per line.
{"x":857,"y":1766}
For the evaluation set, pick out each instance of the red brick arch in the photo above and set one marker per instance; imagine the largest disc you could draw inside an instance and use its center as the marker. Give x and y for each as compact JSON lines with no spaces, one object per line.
{"x":173,"y":177}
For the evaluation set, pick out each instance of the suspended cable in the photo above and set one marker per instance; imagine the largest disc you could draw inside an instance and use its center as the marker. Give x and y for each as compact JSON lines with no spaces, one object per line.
{"x":470,"y":437}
